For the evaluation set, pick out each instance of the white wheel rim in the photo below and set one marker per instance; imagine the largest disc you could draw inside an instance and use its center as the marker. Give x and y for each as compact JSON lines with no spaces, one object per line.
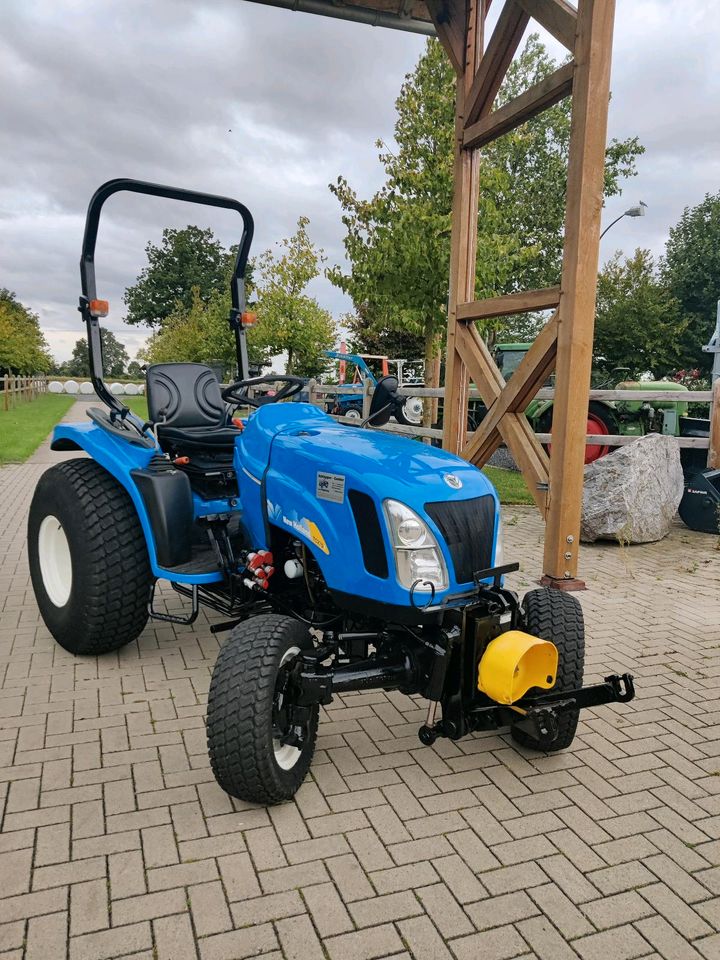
{"x":413,"y":409}
{"x":55,"y":561}
{"x":286,"y":756}
{"x":353,"y":414}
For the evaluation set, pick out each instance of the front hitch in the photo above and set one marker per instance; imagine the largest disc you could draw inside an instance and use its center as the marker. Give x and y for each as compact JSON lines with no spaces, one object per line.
{"x":538,"y":714}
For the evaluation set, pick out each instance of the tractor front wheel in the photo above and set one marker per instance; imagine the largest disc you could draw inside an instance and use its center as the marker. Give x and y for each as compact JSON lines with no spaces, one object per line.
{"x":88,"y":559}
{"x":556,"y":616}
{"x":261,"y":742}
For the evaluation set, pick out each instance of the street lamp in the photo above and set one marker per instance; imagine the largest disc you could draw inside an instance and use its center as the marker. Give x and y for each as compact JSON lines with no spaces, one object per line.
{"x":636,"y":211}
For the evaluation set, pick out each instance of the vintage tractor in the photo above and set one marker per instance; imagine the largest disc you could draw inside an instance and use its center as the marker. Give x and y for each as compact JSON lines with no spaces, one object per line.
{"x":342,"y":559}
{"x":348,"y":402}
{"x":632,"y":418}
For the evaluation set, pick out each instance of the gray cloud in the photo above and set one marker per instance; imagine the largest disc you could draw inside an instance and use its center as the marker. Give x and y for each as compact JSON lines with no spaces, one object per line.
{"x":270,"y":106}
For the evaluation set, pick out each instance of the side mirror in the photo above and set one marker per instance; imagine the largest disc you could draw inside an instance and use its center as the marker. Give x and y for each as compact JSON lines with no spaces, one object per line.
{"x":383,"y":402}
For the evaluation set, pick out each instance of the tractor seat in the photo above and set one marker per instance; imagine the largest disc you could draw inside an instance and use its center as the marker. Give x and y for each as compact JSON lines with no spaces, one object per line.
{"x":185,"y":404}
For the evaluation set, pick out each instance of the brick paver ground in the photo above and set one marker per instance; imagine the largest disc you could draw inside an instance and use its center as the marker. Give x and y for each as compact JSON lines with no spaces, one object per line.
{"x":116,"y":841}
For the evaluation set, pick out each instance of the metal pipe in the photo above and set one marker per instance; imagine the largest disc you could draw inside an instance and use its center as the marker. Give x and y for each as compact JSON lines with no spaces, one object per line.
{"x":372,"y":675}
{"x":373,"y":18}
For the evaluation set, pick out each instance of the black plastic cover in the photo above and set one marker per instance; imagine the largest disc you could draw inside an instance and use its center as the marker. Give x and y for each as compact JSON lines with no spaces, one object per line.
{"x":700,"y":506}
{"x":370,"y":533}
{"x":168,"y":500}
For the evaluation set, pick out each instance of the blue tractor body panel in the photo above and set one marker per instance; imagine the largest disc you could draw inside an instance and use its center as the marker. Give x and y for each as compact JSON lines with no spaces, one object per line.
{"x":307,"y":463}
{"x":120,"y":458}
{"x":295,"y":466}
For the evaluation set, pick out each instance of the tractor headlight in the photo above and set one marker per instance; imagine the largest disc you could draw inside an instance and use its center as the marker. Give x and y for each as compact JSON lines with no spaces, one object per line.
{"x":417,"y":554}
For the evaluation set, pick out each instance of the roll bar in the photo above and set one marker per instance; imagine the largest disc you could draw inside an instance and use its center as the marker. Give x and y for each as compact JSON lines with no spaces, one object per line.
{"x":87,"y":273}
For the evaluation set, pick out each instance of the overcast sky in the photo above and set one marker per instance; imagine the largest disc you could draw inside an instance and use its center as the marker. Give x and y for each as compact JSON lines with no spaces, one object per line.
{"x":269,"y":106}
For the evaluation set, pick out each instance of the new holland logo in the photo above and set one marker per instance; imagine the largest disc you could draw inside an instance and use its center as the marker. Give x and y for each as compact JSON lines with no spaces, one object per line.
{"x":452,"y":481}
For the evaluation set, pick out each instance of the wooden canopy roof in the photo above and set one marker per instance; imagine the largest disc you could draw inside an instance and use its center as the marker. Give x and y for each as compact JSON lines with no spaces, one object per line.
{"x":409,"y":15}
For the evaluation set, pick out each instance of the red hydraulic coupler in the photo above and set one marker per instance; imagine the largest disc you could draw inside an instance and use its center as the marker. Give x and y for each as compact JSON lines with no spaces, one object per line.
{"x":259,"y":565}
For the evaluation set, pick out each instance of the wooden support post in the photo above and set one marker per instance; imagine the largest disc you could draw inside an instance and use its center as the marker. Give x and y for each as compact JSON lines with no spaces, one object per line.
{"x":591,"y":91}
{"x":713,"y":460}
{"x":557,"y":16}
{"x":367,"y":396}
{"x":463,"y":247}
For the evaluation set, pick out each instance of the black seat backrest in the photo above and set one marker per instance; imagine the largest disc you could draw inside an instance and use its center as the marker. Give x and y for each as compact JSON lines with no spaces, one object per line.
{"x":184,"y":395}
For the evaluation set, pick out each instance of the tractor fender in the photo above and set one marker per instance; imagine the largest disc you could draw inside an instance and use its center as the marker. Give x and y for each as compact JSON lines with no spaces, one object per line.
{"x":120,"y":459}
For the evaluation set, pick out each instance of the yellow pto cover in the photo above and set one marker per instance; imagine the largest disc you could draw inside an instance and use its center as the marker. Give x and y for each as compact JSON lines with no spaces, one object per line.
{"x":513,"y":663}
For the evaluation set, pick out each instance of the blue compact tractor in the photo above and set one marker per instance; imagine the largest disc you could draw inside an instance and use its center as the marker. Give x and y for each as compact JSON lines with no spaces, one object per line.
{"x":341,"y":559}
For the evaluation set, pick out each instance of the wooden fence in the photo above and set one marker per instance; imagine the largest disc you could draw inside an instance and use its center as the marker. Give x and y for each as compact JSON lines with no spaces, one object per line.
{"x":21,"y":389}
{"x":319,"y":392}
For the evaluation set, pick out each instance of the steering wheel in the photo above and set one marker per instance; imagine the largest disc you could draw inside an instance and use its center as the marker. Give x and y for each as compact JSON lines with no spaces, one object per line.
{"x":237,"y":392}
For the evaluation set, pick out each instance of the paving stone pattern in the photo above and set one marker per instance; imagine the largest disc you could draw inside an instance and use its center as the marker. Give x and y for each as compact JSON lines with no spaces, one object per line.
{"x":116,"y":841}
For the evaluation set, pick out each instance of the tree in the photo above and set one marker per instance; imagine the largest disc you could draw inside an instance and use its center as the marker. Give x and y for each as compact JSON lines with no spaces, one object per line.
{"x":134,"y":370}
{"x":115,"y":357}
{"x":398,"y":242}
{"x":691,"y":270}
{"x":291,"y":321}
{"x":367,"y":335}
{"x":639,"y":324}
{"x":23,"y":347}
{"x":185,"y":260}
{"x":202,"y":334}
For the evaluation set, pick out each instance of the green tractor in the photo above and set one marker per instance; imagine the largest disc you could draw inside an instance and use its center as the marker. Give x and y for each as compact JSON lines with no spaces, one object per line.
{"x":632,"y":418}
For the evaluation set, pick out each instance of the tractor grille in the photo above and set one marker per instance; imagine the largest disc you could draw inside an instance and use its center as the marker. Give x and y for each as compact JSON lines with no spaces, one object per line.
{"x":467,"y":527}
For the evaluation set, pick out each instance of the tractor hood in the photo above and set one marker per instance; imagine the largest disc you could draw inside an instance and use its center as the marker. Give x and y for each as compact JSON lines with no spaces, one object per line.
{"x":326,"y":483}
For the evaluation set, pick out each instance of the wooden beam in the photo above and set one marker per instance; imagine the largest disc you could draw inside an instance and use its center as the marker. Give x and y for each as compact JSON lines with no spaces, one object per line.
{"x":448,"y":17}
{"x":533,"y":370}
{"x":496,"y":60}
{"x":713,"y":460}
{"x":558,"y":17}
{"x":588,"y":132}
{"x":509,"y":304}
{"x":537,"y":98}
{"x":621,"y":440}
{"x":463,"y":244}
{"x":515,"y":429}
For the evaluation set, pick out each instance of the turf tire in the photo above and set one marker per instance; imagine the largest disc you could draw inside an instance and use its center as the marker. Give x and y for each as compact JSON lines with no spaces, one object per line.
{"x":558,"y":617}
{"x":111,"y":576}
{"x":240,"y":707}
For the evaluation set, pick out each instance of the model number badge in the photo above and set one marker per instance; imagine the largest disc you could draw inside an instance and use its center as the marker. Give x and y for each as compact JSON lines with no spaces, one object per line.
{"x":452,"y":481}
{"x":330,"y":486}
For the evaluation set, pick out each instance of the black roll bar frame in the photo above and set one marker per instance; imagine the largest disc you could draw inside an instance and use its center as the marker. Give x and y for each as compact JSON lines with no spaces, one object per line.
{"x":88,"y":285}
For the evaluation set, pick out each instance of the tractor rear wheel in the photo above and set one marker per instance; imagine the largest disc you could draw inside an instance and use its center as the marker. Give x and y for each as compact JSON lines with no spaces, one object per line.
{"x":556,"y":616}
{"x":261,"y":743}
{"x":88,"y":559}
{"x":601,"y":422}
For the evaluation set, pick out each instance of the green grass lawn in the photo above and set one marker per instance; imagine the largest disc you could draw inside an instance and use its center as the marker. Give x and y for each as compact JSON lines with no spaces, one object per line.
{"x":138,"y":405}
{"x":510,"y":486}
{"x":23,"y":429}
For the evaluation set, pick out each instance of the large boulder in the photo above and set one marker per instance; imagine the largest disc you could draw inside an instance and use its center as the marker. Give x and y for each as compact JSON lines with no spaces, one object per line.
{"x":633,"y":494}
